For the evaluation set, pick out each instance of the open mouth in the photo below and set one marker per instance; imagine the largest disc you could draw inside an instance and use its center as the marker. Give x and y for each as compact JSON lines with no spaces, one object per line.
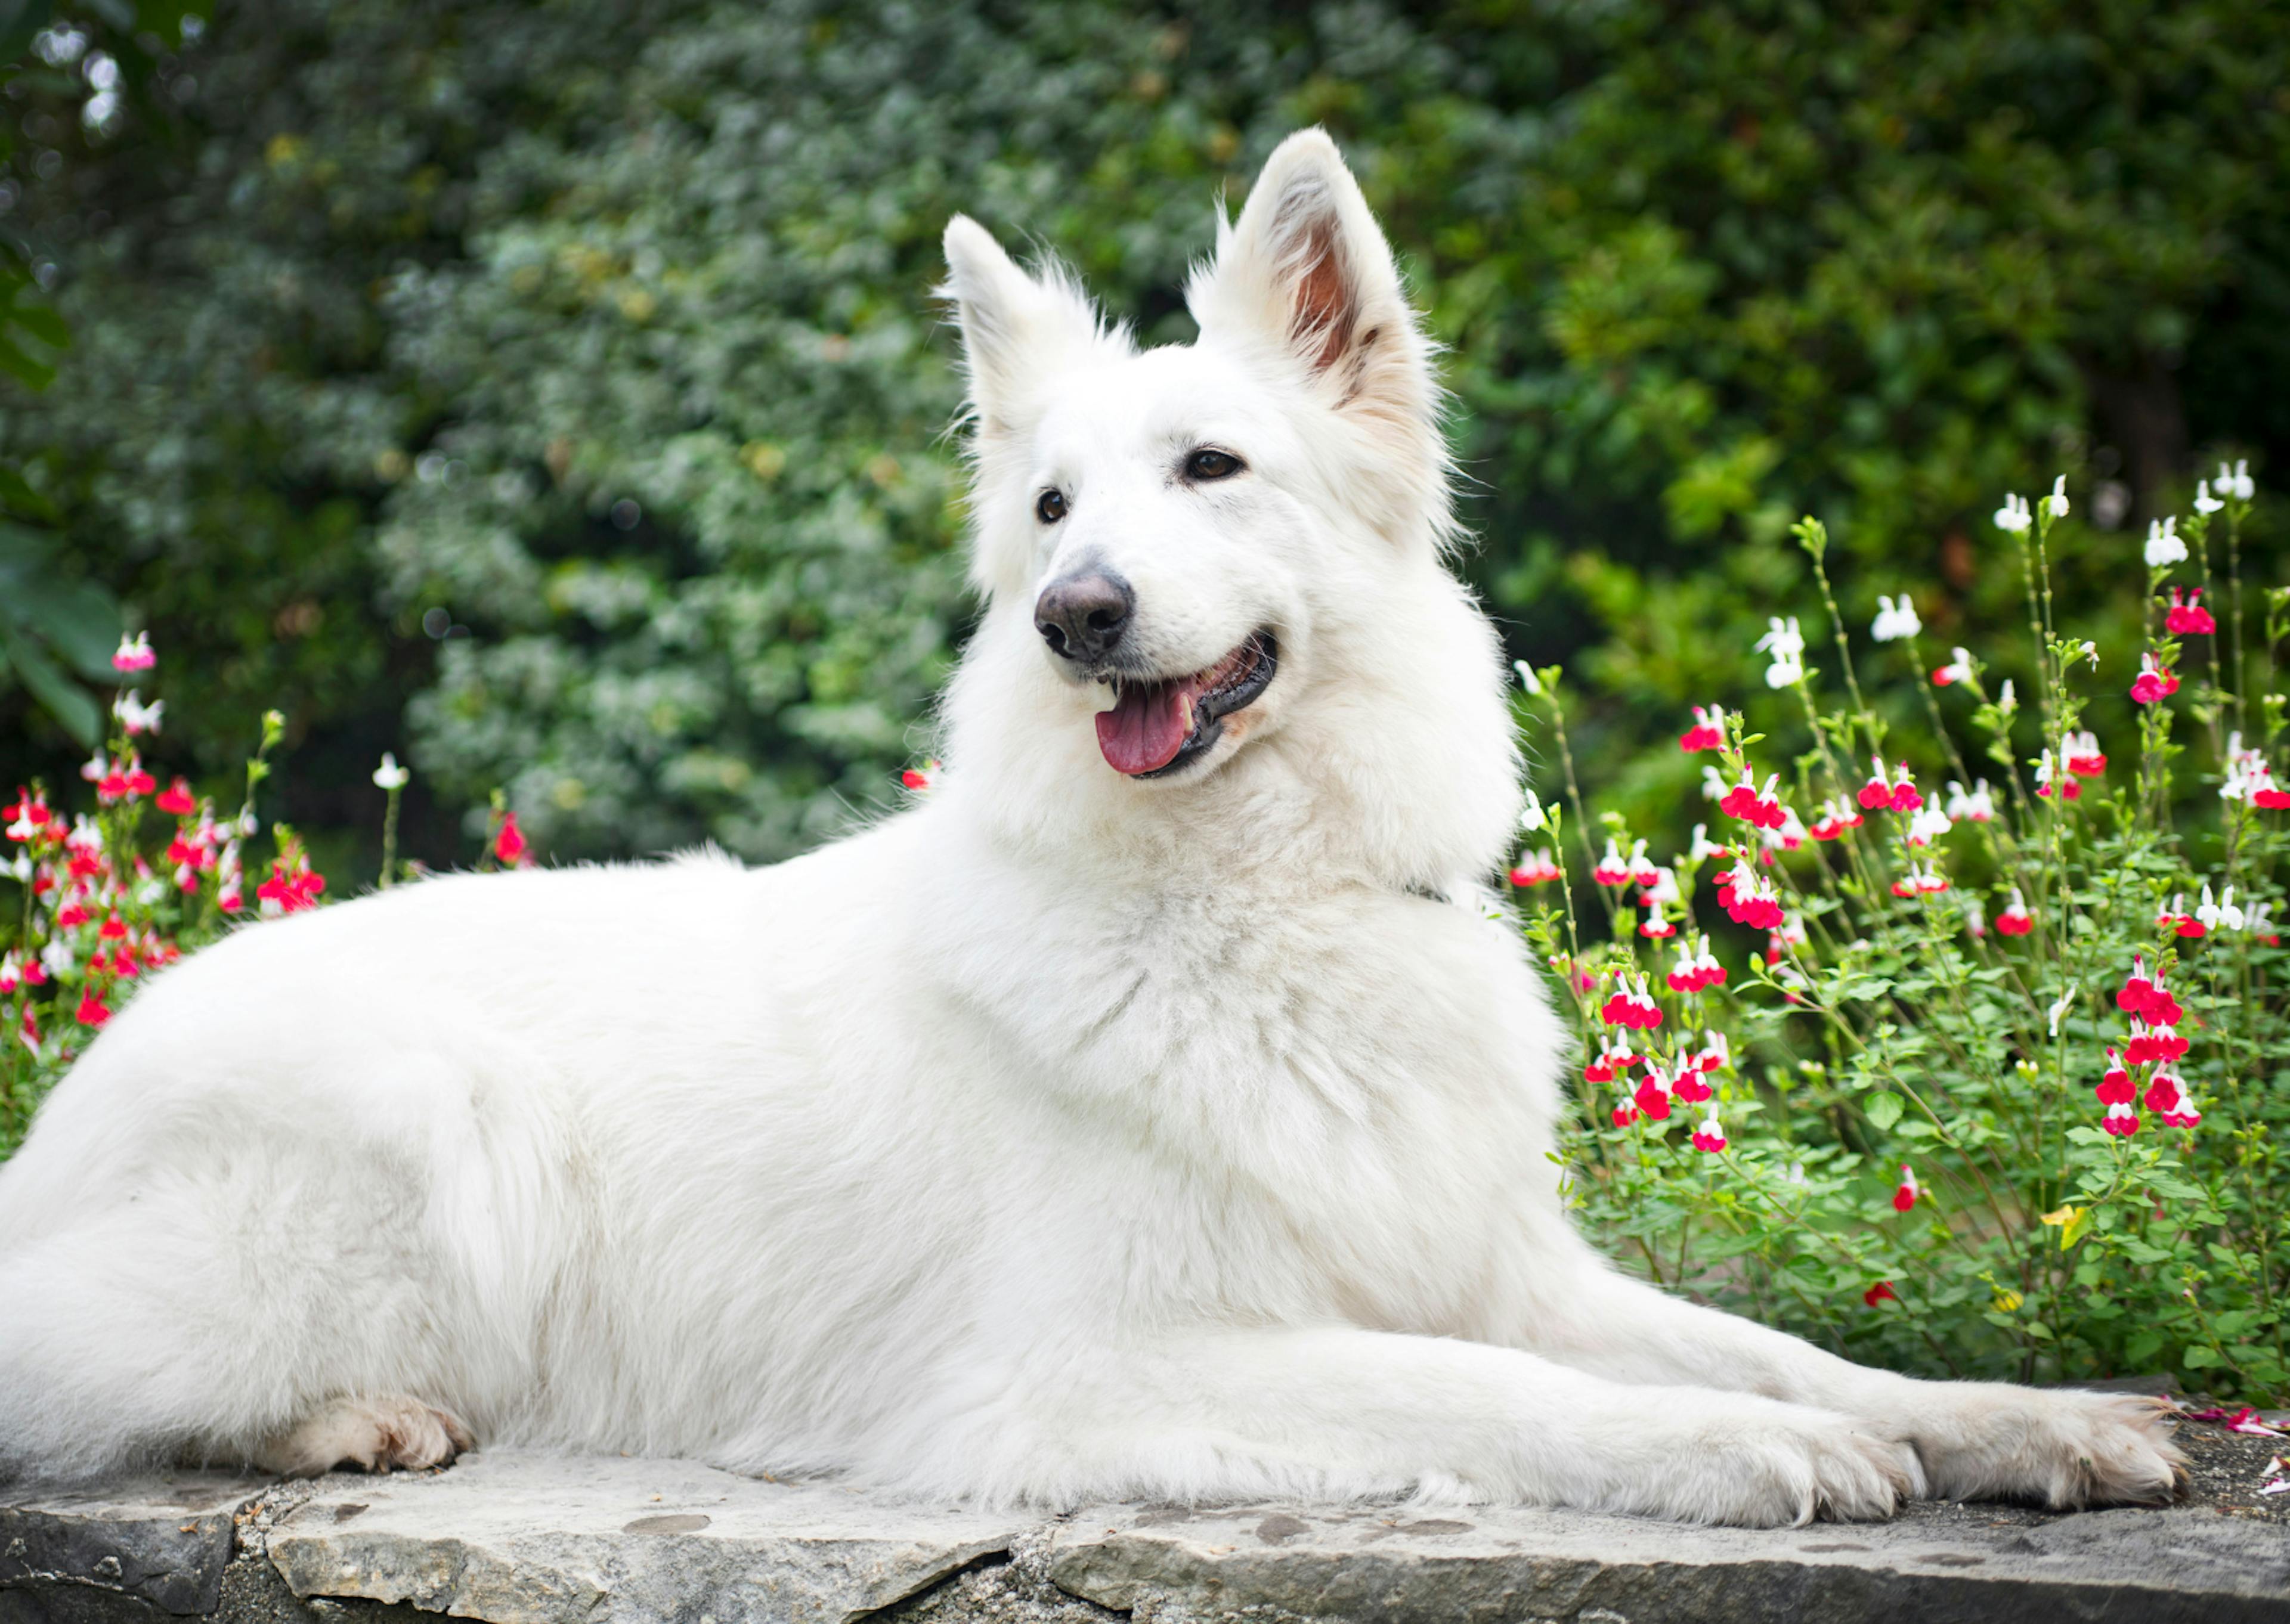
{"x":1160,"y":726}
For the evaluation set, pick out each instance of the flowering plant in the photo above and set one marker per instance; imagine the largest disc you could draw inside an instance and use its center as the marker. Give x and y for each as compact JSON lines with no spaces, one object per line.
{"x":104,"y":898}
{"x":2000,"y":1087}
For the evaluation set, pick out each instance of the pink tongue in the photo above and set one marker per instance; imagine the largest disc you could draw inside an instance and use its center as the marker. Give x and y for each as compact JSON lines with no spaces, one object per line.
{"x":1146,"y":727}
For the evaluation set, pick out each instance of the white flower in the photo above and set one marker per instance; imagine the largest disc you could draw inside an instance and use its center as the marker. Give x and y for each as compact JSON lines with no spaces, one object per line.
{"x":2006,"y":701}
{"x":1895,"y":621}
{"x":1713,"y":786}
{"x":136,"y":717}
{"x":95,"y":769}
{"x":2014,"y":515}
{"x":1786,"y":645}
{"x":2059,"y":1010}
{"x":1979,"y":804}
{"x":389,"y":775}
{"x":2089,"y":651}
{"x":1927,"y":825}
{"x":2259,"y":921}
{"x":2205,"y":502}
{"x":2163,"y":546}
{"x":2059,"y":497}
{"x":1664,"y":889}
{"x":2222,"y":912}
{"x":1701,"y":850}
{"x":2236,"y":483}
{"x":57,"y":956}
{"x":1526,"y":677}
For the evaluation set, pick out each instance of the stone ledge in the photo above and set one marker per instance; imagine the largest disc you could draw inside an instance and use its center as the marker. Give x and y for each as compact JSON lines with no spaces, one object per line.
{"x":517,"y":1538}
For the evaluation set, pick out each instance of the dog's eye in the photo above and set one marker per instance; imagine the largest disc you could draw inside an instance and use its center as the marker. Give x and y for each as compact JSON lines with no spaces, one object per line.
{"x":1049,"y":506}
{"x":1205,"y":464}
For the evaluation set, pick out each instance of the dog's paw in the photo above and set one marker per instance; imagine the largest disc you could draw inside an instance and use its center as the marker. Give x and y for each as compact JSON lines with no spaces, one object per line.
{"x":2061,"y":1448}
{"x":1770,"y":1465}
{"x":375,"y":1435}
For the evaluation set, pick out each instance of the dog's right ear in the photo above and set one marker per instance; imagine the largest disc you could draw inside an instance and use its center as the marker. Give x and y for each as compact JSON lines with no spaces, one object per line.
{"x":1017,"y":330}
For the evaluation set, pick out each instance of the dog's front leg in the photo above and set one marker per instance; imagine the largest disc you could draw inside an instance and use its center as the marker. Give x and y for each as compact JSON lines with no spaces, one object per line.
{"x":1973,"y":1438}
{"x":1342,"y":1413}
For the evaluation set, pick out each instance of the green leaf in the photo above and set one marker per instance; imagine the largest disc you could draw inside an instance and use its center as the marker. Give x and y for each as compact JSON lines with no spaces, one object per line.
{"x":2198,"y":1357}
{"x":71,"y":705}
{"x":1883,"y":1109}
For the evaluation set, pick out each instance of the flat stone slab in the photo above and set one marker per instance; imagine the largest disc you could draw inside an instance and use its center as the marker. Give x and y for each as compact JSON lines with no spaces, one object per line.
{"x":1486,"y":1563}
{"x":524,"y":1538}
{"x":161,"y":1540}
{"x":518,"y":1537}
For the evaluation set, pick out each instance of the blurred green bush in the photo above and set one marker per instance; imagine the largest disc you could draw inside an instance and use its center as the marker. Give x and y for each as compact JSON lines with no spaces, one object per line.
{"x":553,"y":392}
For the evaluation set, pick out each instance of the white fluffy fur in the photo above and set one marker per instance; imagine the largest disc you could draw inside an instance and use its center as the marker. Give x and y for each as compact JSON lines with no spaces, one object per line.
{"x":1065,"y":1136}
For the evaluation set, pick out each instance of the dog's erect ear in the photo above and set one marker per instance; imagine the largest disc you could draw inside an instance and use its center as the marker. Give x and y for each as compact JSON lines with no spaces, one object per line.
{"x":1017,"y":330}
{"x":1306,"y":268}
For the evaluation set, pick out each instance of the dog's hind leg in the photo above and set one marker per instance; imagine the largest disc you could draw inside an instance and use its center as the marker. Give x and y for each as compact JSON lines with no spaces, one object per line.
{"x":376,"y":1434}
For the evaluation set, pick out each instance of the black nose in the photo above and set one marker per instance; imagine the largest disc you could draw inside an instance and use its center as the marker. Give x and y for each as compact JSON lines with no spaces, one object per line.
{"x":1082,"y":616}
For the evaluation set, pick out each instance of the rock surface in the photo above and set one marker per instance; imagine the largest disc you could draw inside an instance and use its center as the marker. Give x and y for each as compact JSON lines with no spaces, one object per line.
{"x":517,"y":1538}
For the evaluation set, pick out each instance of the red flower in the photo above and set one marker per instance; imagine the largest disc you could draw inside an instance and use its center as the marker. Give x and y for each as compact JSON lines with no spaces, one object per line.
{"x":1652,"y":1094}
{"x":922,"y":778}
{"x":1708,"y":731}
{"x":1905,"y":1196}
{"x":92,"y":1011}
{"x":509,"y":843}
{"x":176,"y":800}
{"x":2191,"y":619}
{"x":2155,"y":682}
{"x":1537,"y":867}
{"x":2116,"y":1088}
{"x":2121,"y":1121}
{"x":25,"y":817}
{"x":2015,"y":920}
{"x":1709,"y":1135}
{"x":1882,"y":1292}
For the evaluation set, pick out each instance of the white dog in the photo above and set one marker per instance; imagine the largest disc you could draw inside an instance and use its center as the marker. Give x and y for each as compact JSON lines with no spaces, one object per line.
{"x":1153,"y":1111}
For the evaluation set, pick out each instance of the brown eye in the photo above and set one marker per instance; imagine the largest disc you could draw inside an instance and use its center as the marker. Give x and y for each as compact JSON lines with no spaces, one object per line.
{"x":1049,"y":506}
{"x":1205,"y":464}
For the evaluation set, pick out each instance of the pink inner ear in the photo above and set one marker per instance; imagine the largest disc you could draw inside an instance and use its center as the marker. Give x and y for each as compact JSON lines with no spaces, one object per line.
{"x":1324,"y":310}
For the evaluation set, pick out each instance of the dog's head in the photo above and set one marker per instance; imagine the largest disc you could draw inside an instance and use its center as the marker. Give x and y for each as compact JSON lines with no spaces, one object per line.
{"x":1189,"y":551}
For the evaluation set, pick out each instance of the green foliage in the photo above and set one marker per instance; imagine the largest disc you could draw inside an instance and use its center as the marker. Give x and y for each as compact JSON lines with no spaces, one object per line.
{"x":555,"y":392}
{"x":1919,"y":1149}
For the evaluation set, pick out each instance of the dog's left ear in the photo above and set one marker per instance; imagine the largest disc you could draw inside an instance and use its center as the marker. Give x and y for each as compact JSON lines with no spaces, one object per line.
{"x":1305,"y":271}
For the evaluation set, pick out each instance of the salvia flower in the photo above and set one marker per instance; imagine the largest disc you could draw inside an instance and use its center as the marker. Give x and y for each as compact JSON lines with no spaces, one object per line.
{"x":1612,"y":869}
{"x":2173,"y":915}
{"x":1785,"y":645}
{"x":509,"y":845}
{"x":389,"y":775}
{"x":1957,"y":670}
{"x":1905,"y":1196}
{"x":2154,"y":682}
{"x":1537,"y":867}
{"x":2205,"y":502}
{"x":1882,"y":1292}
{"x":2237,"y":483}
{"x":176,"y":799}
{"x":1612,"y":1060}
{"x":2188,"y":618}
{"x":1652,"y":1096}
{"x":2083,"y":755}
{"x":2115,"y":1087}
{"x":1709,"y":1135}
{"x":1632,"y":1005}
{"x":1978,"y":803}
{"x":2060,"y":1005}
{"x":2121,"y":1121}
{"x":2014,"y":515}
{"x":2220,"y":914}
{"x":134,"y":654}
{"x":2058,"y":498}
{"x":2163,"y":546}
{"x":2050,"y":780}
{"x":136,"y":717}
{"x":1895,"y":619}
{"x":1708,"y":731}
{"x":2015,"y":920}
{"x":1928,"y":825}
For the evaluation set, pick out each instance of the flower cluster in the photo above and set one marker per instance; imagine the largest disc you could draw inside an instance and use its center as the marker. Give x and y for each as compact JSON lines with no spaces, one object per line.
{"x":1912,"y":999}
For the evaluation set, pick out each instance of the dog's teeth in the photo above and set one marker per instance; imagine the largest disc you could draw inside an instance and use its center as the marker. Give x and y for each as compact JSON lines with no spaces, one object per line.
{"x":1185,"y":710}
